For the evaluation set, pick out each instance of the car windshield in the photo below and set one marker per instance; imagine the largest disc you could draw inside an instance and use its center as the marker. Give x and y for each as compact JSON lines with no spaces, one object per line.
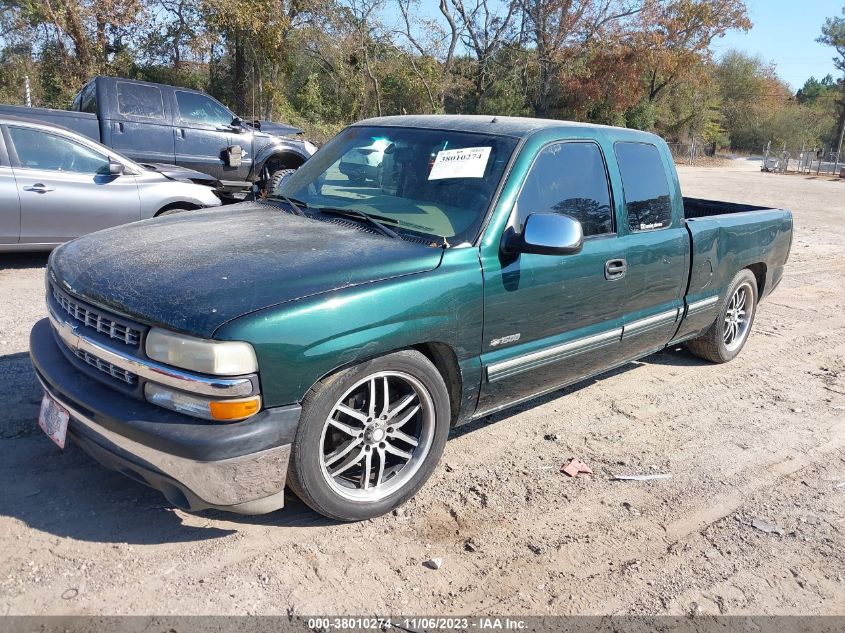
{"x":437,"y":183}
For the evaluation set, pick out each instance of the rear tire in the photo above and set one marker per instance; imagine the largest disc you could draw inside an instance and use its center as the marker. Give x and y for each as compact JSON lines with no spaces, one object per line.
{"x":349,"y":460}
{"x":727,"y":336}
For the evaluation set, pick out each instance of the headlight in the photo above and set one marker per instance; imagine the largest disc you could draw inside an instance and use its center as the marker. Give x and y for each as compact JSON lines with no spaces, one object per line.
{"x":220,"y":358}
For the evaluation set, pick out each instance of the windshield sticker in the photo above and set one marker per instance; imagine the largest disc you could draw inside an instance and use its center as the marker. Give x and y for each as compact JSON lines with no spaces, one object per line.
{"x":469,"y":162}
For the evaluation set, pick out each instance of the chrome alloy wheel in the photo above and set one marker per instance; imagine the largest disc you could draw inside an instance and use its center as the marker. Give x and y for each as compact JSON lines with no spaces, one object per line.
{"x":377,"y":436}
{"x":737,"y":317}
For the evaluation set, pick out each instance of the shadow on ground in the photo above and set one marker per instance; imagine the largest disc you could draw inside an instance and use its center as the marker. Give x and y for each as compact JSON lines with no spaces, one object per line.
{"x":68,"y":494}
{"x":23,"y":260}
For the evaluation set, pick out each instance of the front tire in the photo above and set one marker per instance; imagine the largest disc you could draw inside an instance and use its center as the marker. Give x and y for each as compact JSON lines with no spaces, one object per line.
{"x":277,"y":177}
{"x":370,"y":436}
{"x":727,"y":336}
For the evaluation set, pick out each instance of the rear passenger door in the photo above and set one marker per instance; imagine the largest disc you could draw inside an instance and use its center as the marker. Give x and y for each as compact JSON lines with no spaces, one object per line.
{"x":552,"y":319}
{"x":142,"y":127}
{"x":657,"y":248}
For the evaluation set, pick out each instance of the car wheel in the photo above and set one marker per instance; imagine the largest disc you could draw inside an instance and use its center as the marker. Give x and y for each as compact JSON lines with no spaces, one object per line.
{"x":277,"y":177}
{"x":728,"y":334}
{"x":370,"y":436}
{"x":172,"y":211}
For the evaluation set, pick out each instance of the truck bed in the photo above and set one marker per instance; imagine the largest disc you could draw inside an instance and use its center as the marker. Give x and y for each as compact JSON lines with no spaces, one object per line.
{"x":81,"y":122}
{"x":700,"y":208}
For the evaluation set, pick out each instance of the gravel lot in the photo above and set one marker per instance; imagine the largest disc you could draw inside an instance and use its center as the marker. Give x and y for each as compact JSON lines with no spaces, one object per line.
{"x":762,"y":438}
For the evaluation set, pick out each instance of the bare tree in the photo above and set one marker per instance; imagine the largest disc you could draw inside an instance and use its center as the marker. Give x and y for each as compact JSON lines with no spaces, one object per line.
{"x":433,"y":44}
{"x":485,"y":31}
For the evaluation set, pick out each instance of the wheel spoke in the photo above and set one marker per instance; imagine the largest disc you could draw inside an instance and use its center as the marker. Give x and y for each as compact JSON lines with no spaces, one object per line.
{"x":404,"y":402}
{"x":386,"y":407}
{"x":407,"y":417}
{"x":342,"y":451}
{"x":348,"y":463}
{"x":399,"y":435}
{"x":381,"y":459}
{"x":372,"y":398}
{"x":740,"y":302}
{"x":352,"y":413}
{"x":349,"y":430}
{"x":396,"y":451}
{"x":727,"y":336}
{"x":365,"y":473}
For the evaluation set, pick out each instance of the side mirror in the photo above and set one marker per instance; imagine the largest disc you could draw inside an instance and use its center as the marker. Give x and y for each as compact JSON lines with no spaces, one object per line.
{"x":547,"y":234}
{"x":236,"y":122}
{"x":116,"y":168}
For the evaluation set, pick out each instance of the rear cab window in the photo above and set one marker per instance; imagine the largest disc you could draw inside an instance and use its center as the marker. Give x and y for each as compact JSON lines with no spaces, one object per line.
{"x":139,"y":100}
{"x":645,"y":185}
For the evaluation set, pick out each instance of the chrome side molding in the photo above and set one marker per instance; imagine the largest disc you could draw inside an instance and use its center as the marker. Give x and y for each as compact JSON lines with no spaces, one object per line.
{"x":506,"y":368}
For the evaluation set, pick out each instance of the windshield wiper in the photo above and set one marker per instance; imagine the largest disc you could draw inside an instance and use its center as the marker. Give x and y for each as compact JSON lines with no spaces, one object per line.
{"x":364,"y":217}
{"x":293,"y":202}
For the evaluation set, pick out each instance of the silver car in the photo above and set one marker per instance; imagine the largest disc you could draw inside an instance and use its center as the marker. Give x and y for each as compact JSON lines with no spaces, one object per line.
{"x":56,"y":185}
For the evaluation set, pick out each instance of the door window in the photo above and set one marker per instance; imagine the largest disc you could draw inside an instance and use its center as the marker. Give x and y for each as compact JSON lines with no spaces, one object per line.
{"x":139,"y":100}
{"x":40,"y":150}
{"x":646,"y":187}
{"x":570,"y":179}
{"x":198,"y":108}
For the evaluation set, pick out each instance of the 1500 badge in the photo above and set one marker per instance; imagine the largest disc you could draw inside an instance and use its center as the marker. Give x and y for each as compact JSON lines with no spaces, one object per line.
{"x":512,"y":338}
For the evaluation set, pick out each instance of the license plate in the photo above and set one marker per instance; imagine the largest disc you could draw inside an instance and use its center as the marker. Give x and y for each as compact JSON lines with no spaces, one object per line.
{"x":53,"y":420}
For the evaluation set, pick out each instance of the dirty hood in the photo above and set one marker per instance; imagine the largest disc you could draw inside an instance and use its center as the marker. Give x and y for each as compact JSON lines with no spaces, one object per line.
{"x":192,"y":272}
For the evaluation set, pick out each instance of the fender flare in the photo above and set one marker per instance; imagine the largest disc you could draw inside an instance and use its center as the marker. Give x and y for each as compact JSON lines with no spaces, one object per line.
{"x":277,"y":151}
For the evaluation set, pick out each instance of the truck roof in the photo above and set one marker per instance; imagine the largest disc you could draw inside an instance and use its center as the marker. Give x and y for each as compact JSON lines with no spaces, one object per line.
{"x":520,"y":127}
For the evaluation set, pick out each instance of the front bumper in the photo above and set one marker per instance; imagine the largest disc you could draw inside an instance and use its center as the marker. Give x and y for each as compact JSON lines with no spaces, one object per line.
{"x":239,"y":467}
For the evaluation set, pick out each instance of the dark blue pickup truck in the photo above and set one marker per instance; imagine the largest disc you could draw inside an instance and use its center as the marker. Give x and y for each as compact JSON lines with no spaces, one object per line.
{"x":155,"y":123}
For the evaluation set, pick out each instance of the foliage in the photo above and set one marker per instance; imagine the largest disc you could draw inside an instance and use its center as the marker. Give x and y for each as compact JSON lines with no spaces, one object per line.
{"x":320,"y":64}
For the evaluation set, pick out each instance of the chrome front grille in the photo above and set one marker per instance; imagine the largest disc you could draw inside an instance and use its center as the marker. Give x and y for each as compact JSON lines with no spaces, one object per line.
{"x":113,"y":370}
{"x":96,"y":320}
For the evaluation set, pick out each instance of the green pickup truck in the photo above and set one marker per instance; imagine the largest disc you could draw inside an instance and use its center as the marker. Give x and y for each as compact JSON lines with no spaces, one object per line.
{"x":327,"y":338}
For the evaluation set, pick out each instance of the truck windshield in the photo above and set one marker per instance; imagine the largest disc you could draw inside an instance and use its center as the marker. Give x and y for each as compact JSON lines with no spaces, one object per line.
{"x":437,"y":183}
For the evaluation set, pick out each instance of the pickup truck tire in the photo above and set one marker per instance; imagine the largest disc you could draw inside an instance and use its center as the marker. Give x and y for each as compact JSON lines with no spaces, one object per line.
{"x":729,"y":332}
{"x":171,"y":212}
{"x":370,"y":436}
{"x":277,"y":177}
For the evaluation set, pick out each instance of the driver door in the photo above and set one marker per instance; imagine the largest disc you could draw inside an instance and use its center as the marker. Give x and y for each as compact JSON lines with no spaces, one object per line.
{"x":550,"y":320}
{"x":203,"y":131}
{"x":65,"y":188}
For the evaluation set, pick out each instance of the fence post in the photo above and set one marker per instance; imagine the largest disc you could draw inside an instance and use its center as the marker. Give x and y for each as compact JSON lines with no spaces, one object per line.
{"x":839,"y":150}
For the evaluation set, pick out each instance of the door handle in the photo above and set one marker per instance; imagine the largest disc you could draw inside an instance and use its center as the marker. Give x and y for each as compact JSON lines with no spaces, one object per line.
{"x":180,"y":134}
{"x":38,"y":188}
{"x":615,"y":269}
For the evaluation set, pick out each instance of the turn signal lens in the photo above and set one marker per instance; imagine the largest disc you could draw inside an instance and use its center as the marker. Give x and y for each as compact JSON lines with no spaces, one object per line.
{"x":234,"y":409}
{"x":198,"y":406}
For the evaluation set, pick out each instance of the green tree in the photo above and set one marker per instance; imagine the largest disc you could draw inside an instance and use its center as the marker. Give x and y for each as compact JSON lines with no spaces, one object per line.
{"x":833,"y":34}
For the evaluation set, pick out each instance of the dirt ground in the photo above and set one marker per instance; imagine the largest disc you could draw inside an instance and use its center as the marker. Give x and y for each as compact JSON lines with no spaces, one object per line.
{"x":761,"y":438}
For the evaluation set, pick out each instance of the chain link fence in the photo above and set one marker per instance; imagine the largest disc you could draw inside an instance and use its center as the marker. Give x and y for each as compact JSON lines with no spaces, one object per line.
{"x":687,"y":153}
{"x":803,"y":160}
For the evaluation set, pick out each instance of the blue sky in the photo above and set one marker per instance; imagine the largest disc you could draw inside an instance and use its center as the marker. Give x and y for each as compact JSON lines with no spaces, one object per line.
{"x":784,"y":32}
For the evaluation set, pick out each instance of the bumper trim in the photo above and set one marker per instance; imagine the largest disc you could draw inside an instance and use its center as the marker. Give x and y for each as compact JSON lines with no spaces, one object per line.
{"x":149,"y":370}
{"x":241,"y":484}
